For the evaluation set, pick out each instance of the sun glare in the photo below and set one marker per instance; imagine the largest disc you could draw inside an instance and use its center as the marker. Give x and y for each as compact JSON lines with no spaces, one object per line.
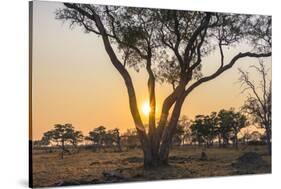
{"x":146,"y":108}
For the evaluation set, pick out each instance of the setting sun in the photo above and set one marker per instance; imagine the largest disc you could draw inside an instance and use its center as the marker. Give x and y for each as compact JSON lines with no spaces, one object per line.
{"x":146,"y":108}
{"x":124,"y":93}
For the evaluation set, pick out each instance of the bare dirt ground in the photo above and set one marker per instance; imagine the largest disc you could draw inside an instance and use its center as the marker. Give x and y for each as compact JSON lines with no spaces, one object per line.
{"x":88,"y":167}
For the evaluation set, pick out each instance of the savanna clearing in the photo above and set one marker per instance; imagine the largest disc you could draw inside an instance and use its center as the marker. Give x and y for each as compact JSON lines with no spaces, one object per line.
{"x":87,"y":167}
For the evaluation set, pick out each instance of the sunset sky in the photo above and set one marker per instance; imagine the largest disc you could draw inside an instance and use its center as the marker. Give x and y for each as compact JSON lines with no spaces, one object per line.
{"x":74,"y":81}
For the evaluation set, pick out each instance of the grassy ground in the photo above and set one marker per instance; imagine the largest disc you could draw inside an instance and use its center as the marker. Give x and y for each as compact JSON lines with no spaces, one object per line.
{"x":88,"y":167}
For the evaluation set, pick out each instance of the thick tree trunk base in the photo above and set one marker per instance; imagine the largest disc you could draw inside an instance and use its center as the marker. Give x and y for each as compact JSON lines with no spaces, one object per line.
{"x":269,"y":148}
{"x":155,"y":164}
{"x":154,"y":161}
{"x":268,"y":140}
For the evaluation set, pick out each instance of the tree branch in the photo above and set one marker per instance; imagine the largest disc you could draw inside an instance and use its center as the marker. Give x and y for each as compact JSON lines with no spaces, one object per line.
{"x":115,"y":36}
{"x":118,"y":65}
{"x":203,"y":25}
{"x":224,"y":68}
{"x":198,"y":61}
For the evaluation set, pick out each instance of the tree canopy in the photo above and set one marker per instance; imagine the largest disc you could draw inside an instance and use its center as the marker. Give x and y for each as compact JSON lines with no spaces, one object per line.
{"x":63,"y":134}
{"x":170,"y":45}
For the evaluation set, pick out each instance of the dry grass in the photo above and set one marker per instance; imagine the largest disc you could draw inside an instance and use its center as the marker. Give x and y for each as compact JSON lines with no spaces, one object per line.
{"x":87,"y":167}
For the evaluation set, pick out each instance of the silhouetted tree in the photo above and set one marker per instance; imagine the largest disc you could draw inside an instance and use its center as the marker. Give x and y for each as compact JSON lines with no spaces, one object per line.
{"x":212,"y":120}
{"x":63,"y":134}
{"x":230,"y":123}
{"x":185,"y":123}
{"x":42,"y":142}
{"x":264,"y":138}
{"x":130,"y":138}
{"x":239,"y":122}
{"x":75,"y":138}
{"x":225,"y":121}
{"x":258,"y":102}
{"x":116,"y":138}
{"x":112,"y":138}
{"x":98,"y":137}
{"x":170,"y":45}
{"x":101,"y":138}
{"x":204,"y":129}
{"x":178,"y":136}
{"x":197,"y":128}
{"x":246,"y":136}
{"x":255,"y":136}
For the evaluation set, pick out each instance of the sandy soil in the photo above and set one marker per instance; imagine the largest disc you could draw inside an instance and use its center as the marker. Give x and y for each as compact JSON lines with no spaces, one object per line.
{"x":88,"y":167}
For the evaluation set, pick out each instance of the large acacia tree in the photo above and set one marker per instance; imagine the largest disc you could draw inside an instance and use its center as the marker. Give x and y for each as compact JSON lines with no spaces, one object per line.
{"x":170,"y":45}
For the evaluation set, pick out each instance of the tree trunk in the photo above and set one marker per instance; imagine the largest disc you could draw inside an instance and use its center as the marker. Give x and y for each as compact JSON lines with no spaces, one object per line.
{"x":151,"y":159}
{"x":169,"y":132}
{"x":225,"y":142}
{"x":165,"y":148}
{"x":154,"y":140}
{"x":62,"y":148}
{"x":236,"y":141}
{"x":119,"y":146}
{"x":268,"y":138}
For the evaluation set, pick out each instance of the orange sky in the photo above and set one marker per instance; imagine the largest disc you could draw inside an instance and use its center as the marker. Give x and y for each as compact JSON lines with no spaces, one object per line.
{"x":74,"y":81}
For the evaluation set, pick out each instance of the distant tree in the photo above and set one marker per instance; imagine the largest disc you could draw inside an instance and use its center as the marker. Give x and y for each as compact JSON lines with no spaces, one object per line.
{"x":63,"y":134}
{"x":239,"y":122}
{"x":171,"y":46}
{"x":263,"y":138}
{"x":108,"y":140}
{"x":75,"y":138}
{"x":185,"y":123}
{"x":246,"y":136}
{"x":98,"y":137}
{"x":116,"y":138}
{"x":230,"y":124}
{"x":203,"y":129}
{"x":130,"y":138}
{"x":258,"y":102}
{"x":178,"y":136}
{"x":255,"y":136}
{"x":42,"y":142}
{"x":225,"y":121}
{"x":197,"y":129}
{"x":112,"y":138}
{"x":213,"y":126}
{"x":102,"y":138}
